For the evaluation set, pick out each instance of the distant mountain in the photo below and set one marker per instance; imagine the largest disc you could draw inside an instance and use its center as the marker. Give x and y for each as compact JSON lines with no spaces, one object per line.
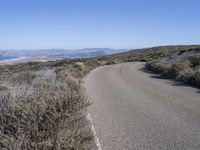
{"x":62,"y":53}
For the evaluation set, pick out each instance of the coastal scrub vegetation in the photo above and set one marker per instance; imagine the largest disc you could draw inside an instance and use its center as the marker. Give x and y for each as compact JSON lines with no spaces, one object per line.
{"x":184,"y":66}
{"x":43,"y":106}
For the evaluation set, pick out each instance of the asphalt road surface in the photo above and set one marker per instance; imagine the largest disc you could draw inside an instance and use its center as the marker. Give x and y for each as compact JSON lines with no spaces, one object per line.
{"x":136,"y":110}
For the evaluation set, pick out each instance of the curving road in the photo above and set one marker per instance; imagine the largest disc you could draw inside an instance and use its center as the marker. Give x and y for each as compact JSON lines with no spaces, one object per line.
{"x":136,"y":110}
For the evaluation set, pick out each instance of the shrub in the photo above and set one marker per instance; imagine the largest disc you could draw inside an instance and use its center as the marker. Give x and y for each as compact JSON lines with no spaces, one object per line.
{"x":195,"y":61}
{"x":79,"y":65}
{"x":3,"y":88}
{"x":157,"y":67}
{"x":197,"y":78}
{"x":49,"y":118}
{"x":176,"y":68}
{"x":102,"y":63}
{"x":183,"y":67}
{"x":45,"y":109}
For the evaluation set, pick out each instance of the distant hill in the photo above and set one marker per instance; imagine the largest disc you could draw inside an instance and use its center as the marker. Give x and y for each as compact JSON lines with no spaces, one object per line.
{"x":62,"y":53}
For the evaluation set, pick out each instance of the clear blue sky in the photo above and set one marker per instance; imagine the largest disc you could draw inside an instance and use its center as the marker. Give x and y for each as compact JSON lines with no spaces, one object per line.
{"x":71,"y":24}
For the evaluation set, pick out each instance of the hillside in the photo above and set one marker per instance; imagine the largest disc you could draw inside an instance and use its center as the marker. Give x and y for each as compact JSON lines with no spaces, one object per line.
{"x":42,"y":105}
{"x":178,"y":62}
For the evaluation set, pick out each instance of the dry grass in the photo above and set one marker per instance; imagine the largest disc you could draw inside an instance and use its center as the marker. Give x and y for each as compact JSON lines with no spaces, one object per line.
{"x":44,"y":109}
{"x":42,"y":105}
{"x":183,"y":66}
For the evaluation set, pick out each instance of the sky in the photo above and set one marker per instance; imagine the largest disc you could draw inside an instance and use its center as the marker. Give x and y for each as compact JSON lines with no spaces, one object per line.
{"x":74,"y":24}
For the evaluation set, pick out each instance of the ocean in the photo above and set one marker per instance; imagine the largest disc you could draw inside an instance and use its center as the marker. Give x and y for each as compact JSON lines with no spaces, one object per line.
{"x":8,"y":58}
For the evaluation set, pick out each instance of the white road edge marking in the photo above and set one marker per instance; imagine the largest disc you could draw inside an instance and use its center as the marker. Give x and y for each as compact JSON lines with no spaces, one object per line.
{"x":94,"y":133}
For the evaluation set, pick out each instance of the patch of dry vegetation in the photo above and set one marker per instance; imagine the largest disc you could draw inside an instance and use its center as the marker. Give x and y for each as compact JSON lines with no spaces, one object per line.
{"x":184,"y":65}
{"x":178,"y":62}
{"x":42,"y":107}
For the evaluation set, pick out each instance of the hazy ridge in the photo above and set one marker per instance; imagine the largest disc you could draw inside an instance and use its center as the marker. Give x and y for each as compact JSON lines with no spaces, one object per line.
{"x":58,"y":53}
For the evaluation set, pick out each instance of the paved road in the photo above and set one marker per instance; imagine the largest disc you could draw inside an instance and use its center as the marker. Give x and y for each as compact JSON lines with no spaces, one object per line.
{"x":136,"y":110}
